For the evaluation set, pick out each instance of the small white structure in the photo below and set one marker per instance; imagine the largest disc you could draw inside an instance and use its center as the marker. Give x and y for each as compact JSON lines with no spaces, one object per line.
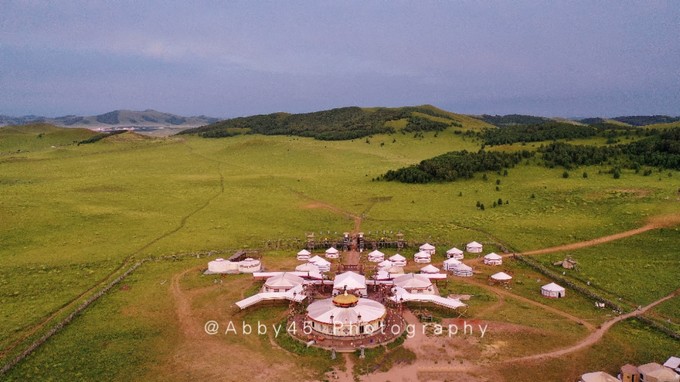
{"x":307,"y":267}
{"x":455,"y":253}
{"x":395,"y":270}
{"x":501,"y":277}
{"x":415,"y":284}
{"x":493,"y":259}
{"x":673,"y":363}
{"x":398,"y":260}
{"x":376,"y":256}
{"x":351,"y":282}
{"x":422,"y":257}
{"x":385,"y":265}
{"x":429,"y":269}
{"x":653,"y":372}
{"x":552,"y":290}
{"x":401,"y":296}
{"x":282,"y":283}
{"x":323,"y":264}
{"x":332,"y":253}
{"x":450,"y":263}
{"x":427,"y":248}
{"x":303,"y":255}
{"x":249,"y":265}
{"x":598,"y":376}
{"x":462,"y":270}
{"x":221,"y":265}
{"x":473,"y":247}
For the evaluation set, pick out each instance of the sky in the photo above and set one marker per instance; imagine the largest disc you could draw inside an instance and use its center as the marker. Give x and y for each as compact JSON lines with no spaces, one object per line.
{"x":236,"y":58}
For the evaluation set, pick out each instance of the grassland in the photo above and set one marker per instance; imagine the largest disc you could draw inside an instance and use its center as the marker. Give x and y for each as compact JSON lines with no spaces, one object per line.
{"x":72,"y":214}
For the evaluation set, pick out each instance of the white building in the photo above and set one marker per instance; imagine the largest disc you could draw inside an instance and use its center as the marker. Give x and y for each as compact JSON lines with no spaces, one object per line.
{"x":473,"y":247}
{"x":414,"y":283}
{"x":493,"y":259}
{"x":282,"y":283}
{"x":221,"y":265}
{"x":422,"y":257}
{"x":249,"y":265}
{"x":398,"y":260}
{"x":323,"y":264}
{"x":552,"y":290}
{"x":455,"y":253}
{"x":462,"y":270}
{"x":351,"y":282}
{"x":346,"y":315}
{"x":429,"y":269}
{"x":427,"y":248}
{"x":303,"y":255}
{"x":501,"y":277}
{"x":449,"y":263}
{"x":332,"y":253}
{"x":385,"y":265}
{"x":376,"y":256}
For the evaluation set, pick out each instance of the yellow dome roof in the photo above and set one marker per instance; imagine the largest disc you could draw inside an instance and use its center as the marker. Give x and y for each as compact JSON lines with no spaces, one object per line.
{"x":345,"y":300}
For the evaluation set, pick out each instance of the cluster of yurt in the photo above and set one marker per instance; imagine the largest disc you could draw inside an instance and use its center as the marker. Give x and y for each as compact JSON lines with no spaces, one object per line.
{"x":398,"y":260}
{"x":282,"y":282}
{"x":414,"y":283}
{"x":552,"y":290}
{"x":422,"y":257}
{"x":376,"y":256}
{"x":461,"y":270}
{"x":332,"y":253}
{"x":321,"y":263}
{"x":473,"y":247}
{"x":351,"y":282}
{"x":221,"y":265}
{"x":249,"y":265}
{"x":303,"y":255}
{"x":454,"y":253}
{"x":427,"y":248}
{"x":429,"y":269}
{"x":493,"y":259}
{"x":450,"y":263}
{"x":501,"y":278}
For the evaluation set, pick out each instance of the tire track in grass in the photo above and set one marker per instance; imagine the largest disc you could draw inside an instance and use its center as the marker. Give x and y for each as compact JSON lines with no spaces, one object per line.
{"x":126,"y":262}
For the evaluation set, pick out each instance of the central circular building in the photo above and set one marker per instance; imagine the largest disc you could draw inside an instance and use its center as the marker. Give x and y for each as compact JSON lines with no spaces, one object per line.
{"x":346,"y":315}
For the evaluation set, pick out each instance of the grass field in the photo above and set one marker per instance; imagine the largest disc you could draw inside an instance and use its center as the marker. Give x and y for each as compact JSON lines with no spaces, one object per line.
{"x":72,"y":214}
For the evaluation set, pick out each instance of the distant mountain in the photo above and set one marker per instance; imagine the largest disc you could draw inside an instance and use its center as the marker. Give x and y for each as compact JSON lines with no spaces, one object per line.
{"x":116,"y":118}
{"x":513,"y":119}
{"x":633,"y":120}
{"x":342,"y":123}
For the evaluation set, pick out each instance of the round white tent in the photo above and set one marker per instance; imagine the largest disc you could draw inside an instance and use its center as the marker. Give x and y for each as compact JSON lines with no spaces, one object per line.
{"x":303,"y":255}
{"x":430,"y":269}
{"x":398,"y":260}
{"x":422,"y":257}
{"x":385,"y":264}
{"x":332,"y":253}
{"x":307,"y":267}
{"x":282,"y":282}
{"x":221,"y":265}
{"x":376,"y":256}
{"x":427,"y":248}
{"x":473,"y":247}
{"x":455,"y":253}
{"x":501,"y":277}
{"x":552,"y":290}
{"x":450,"y":263}
{"x":395,"y":270}
{"x":350,"y":281}
{"x":323,"y":264}
{"x":249,"y":265}
{"x":414,"y":283}
{"x":493,"y":259}
{"x":461,"y":270}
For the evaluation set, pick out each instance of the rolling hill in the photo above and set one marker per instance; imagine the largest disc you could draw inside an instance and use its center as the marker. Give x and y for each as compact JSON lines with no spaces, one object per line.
{"x":116,"y":118}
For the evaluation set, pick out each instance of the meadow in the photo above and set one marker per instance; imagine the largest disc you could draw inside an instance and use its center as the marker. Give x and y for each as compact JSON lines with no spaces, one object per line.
{"x":71,"y":215}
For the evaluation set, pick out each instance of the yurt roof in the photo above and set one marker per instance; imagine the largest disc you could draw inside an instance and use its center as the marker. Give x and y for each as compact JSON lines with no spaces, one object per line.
{"x":396,"y":269}
{"x":376,"y":253}
{"x":412,"y":280}
{"x":452,"y":261}
{"x":304,"y":252}
{"x":307,"y":267}
{"x":422,"y":254}
{"x":474,"y":244}
{"x":429,"y":269}
{"x":381,"y":275}
{"x":350,"y":279}
{"x":385,"y":263}
{"x":454,"y":250}
{"x":501,"y":276}
{"x":427,"y":246}
{"x":318,"y":260}
{"x":493,"y":256}
{"x":250,"y":261}
{"x":552,"y":287}
{"x":322,"y":311}
{"x":284,"y":280}
{"x":462,"y":266}
{"x":331,"y":250}
{"x":397,"y":257}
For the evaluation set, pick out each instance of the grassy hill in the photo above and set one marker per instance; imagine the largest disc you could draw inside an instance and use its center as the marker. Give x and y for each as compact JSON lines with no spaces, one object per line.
{"x":340,"y":124}
{"x":39,"y":136}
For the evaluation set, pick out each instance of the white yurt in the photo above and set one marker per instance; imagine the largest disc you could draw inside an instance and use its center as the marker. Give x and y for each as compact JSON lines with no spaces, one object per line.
{"x":303,"y":255}
{"x":427,"y":248}
{"x":462,"y":270}
{"x":552,"y":290}
{"x":346,"y":315}
{"x":398,"y":260}
{"x":450,"y":263}
{"x":429,"y":269}
{"x":454,"y":253}
{"x":414,"y":283}
{"x":473,"y":247}
{"x":282,"y":282}
{"x":395,"y":270}
{"x":422,"y":257}
{"x":352,"y":282}
{"x":382,"y":275}
{"x":307,"y":267}
{"x":332,"y":253}
{"x":323,"y":264}
{"x":221,"y":265}
{"x":376,"y":256}
{"x":493,"y":259}
{"x":249,"y":265}
{"x":385,"y":264}
{"x":501,"y":277}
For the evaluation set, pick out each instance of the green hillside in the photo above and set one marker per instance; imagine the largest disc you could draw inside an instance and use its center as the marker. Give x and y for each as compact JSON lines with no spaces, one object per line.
{"x":39,"y":136}
{"x":340,"y":124}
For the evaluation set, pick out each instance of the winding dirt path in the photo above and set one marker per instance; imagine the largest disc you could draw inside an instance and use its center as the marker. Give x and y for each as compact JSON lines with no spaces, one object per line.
{"x":595,"y":336}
